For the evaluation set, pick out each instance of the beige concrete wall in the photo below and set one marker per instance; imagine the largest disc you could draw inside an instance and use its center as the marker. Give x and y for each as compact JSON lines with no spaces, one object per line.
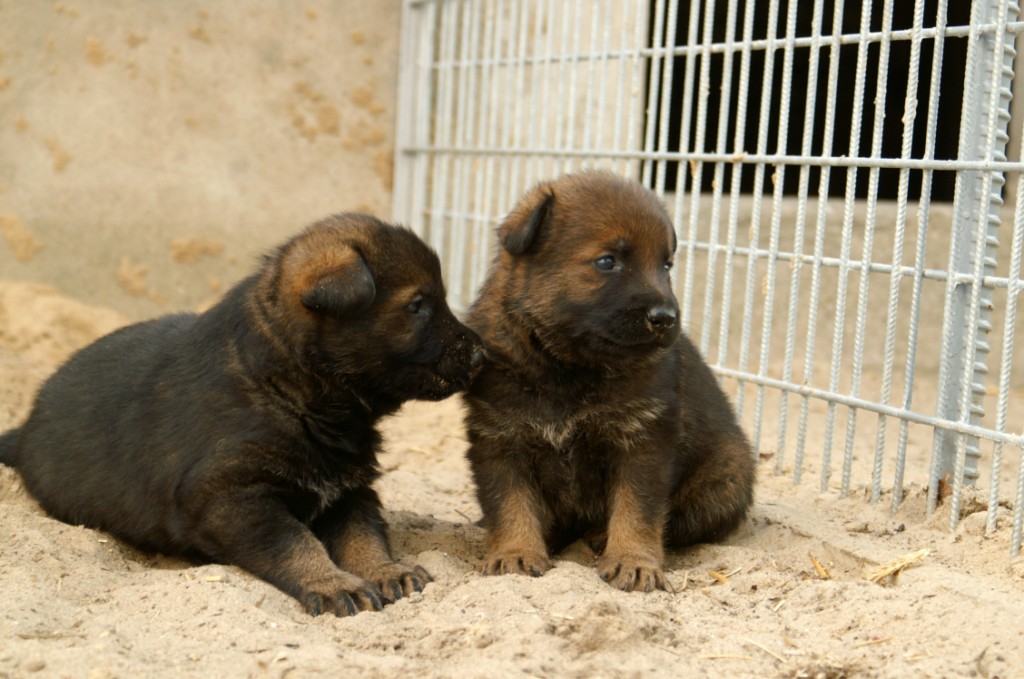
{"x":150,"y":151}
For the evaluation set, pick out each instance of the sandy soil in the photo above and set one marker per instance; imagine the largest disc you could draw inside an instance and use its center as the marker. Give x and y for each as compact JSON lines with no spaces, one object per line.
{"x":786,"y":596}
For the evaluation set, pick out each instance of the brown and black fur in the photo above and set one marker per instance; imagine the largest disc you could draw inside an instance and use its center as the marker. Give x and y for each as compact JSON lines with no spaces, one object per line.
{"x":594,"y":416}
{"x":245,"y":435}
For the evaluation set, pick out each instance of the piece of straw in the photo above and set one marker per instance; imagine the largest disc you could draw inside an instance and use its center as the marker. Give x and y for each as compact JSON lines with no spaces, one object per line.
{"x":887,"y":571}
{"x":822,"y":573}
{"x":765,"y":649}
{"x":722,"y":579}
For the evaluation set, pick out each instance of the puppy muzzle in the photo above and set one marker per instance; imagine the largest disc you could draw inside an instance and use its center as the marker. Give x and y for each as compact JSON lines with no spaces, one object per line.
{"x":661,"y":318}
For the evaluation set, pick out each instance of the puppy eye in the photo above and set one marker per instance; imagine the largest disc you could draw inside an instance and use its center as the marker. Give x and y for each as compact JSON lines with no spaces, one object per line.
{"x":605,"y":263}
{"x":414,"y":306}
{"x":668,"y":265}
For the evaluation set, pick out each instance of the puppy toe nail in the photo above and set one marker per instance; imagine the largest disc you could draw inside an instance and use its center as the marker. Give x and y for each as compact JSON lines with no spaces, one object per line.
{"x":347,"y":604}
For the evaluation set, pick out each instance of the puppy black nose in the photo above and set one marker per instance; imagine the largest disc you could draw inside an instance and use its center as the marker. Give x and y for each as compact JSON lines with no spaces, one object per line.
{"x":661,"y":317}
{"x":476,"y":359}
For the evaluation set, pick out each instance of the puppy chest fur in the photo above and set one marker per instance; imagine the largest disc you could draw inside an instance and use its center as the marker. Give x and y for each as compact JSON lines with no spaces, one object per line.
{"x":571,"y":448}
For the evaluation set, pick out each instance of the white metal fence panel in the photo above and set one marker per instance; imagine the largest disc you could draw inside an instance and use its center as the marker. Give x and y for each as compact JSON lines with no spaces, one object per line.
{"x":836,"y":172}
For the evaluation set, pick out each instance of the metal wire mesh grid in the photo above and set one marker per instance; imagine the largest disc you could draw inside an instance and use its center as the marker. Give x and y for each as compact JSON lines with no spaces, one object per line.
{"x":842,"y":302}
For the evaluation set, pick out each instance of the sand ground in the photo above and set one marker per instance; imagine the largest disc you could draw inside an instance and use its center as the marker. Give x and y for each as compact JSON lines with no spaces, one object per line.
{"x":786,"y":596}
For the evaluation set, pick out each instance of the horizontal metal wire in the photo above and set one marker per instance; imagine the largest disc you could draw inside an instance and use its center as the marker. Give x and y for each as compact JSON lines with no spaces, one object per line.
{"x":729,"y":158}
{"x":732,"y":46}
{"x":1014,"y":285}
{"x":995,"y":282}
{"x":872,"y":406}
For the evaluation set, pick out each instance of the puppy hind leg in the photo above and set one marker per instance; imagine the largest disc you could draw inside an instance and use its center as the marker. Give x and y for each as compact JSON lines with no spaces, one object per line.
{"x":713,"y":500}
{"x":355,"y":535}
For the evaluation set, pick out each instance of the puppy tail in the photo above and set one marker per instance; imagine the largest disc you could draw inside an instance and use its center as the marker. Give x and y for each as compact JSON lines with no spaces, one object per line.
{"x":8,"y":446}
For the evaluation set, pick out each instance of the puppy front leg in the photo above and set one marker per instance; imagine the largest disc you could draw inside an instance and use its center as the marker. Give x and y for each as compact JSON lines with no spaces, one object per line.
{"x":515,"y":537}
{"x":515,"y":515}
{"x":355,"y":535}
{"x":263,"y":537}
{"x":634,"y":555}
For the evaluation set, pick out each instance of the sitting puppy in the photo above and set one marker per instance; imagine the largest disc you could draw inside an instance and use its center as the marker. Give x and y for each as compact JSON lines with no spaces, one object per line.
{"x":246,"y":435}
{"x":594,"y":416}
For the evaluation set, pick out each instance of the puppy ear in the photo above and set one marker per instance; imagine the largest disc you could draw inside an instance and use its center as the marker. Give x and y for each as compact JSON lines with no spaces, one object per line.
{"x":521,"y":227}
{"x":346,"y":288}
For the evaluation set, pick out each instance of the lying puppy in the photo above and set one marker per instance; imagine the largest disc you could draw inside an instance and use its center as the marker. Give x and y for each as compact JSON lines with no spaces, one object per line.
{"x":594,"y":416}
{"x":245,"y":435}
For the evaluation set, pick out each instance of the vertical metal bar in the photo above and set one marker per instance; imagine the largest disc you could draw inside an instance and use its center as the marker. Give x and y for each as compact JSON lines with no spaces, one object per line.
{"x":739,"y":150}
{"x":548,"y":85}
{"x":695,"y":167}
{"x":568,"y":165}
{"x":604,"y":75}
{"x":767,"y":83}
{"x":977,"y":198}
{"x":506,"y":130}
{"x":623,"y":94}
{"x":517,"y":64}
{"x":633,"y":128}
{"x":459,"y":288}
{"x":922,"y":239}
{"x":538,"y":87}
{"x":439,"y":173}
{"x":488,"y":95}
{"x":668,"y":72}
{"x":819,"y":236}
{"x":658,"y":55}
{"x":564,"y":63}
{"x":810,"y":104}
{"x":1006,"y":365}
{"x":724,"y":113}
{"x":869,"y":236}
{"x":482,"y":40}
{"x":899,"y":236}
{"x":778,"y":184}
{"x":412,"y":126}
{"x":1018,"y":509}
{"x":594,"y":55}
{"x":847,"y":237}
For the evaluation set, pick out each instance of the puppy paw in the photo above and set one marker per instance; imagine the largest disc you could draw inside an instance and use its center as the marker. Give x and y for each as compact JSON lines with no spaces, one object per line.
{"x":342,"y":595}
{"x":631,"y":573}
{"x":519,"y":563}
{"x":397,"y":580}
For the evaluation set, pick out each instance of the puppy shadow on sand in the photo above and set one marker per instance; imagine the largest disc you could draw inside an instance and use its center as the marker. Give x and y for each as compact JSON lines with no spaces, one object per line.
{"x":416,"y":535}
